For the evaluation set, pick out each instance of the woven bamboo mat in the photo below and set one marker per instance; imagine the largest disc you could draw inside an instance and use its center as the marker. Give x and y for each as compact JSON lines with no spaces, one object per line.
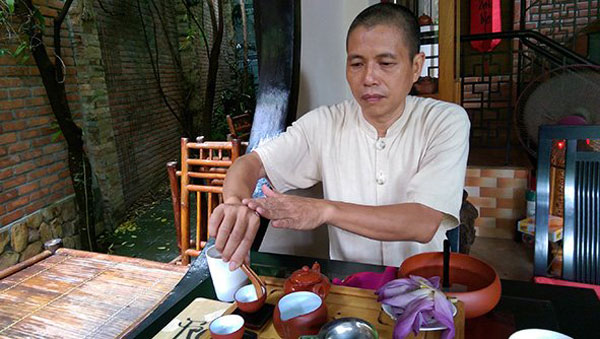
{"x":76,"y":294}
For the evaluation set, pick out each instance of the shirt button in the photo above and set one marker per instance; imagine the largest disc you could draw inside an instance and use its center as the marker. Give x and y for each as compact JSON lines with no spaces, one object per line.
{"x":380,"y":179}
{"x":380,"y":144}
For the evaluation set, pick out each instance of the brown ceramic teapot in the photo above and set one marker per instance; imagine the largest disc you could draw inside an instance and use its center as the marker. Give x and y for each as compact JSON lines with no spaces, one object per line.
{"x":308,"y":279}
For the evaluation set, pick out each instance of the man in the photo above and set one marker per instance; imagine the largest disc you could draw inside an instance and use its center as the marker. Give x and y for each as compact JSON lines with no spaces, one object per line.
{"x":392,"y":165}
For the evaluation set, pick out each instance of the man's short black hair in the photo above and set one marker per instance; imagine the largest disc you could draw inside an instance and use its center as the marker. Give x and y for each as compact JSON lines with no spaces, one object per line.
{"x":393,"y":15}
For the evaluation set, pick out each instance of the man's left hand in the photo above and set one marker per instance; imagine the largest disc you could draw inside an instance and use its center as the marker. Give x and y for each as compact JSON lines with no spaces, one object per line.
{"x":287,"y":211}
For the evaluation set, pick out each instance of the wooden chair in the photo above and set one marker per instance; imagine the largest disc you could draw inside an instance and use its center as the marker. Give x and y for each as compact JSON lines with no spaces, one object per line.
{"x":203,"y":169}
{"x":240,"y":126}
{"x":581,"y":226}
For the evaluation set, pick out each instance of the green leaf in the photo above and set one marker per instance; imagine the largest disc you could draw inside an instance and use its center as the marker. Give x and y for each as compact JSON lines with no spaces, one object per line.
{"x":11,"y":5}
{"x":39,"y":17}
{"x":4,"y":51}
{"x":20,"y":49}
{"x":161,"y":248}
{"x":56,"y":135}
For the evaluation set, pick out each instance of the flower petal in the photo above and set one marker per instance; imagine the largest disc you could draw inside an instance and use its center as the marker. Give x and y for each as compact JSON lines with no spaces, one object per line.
{"x":442,"y":311}
{"x":406,"y":321}
{"x":403,"y":300}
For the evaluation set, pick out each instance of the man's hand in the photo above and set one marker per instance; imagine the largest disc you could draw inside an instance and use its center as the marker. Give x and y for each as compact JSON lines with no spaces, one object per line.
{"x":235,"y":227}
{"x":286,"y":211}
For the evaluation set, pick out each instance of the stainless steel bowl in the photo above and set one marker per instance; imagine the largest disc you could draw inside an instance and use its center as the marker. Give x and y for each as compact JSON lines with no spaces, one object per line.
{"x":347,"y":328}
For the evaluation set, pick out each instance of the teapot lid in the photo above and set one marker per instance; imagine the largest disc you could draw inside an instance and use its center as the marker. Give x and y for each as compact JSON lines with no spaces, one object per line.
{"x":307,"y":276}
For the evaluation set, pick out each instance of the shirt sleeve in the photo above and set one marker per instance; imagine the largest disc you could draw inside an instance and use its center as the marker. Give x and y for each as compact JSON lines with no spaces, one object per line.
{"x":440,"y":178}
{"x":291,"y":159}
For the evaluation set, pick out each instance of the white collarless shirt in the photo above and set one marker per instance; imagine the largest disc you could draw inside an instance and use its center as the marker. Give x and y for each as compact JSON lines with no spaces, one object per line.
{"x":422,"y":159}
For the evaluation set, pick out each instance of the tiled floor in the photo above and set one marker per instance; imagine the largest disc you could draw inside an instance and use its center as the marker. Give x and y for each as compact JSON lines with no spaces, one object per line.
{"x":511,"y":260}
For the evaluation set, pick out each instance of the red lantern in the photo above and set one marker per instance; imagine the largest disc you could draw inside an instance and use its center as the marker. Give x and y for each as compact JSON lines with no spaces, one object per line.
{"x":486,"y":17}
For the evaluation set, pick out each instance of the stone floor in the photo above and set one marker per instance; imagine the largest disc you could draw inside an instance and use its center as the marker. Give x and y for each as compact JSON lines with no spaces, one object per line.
{"x":511,"y":260}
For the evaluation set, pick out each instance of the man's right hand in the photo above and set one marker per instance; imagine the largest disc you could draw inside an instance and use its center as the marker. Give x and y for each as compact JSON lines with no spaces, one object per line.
{"x":235,"y":226}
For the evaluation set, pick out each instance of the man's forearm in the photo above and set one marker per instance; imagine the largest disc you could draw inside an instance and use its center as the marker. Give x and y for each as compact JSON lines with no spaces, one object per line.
{"x":400,"y":222}
{"x":241,"y":178}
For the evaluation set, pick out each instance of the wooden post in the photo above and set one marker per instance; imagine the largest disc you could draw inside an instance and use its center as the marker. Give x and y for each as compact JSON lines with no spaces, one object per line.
{"x":185,"y":203}
{"x":175,"y":199}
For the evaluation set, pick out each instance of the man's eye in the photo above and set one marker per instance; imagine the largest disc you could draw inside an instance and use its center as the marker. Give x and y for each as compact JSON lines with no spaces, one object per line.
{"x":356,"y":64}
{"x":387,"y":64}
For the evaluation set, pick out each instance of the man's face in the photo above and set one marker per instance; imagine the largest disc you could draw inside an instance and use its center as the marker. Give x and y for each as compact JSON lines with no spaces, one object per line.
{"x":379,"y":70}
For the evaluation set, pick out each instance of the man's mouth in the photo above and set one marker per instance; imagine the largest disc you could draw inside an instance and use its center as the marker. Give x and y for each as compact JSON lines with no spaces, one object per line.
{"x":372,"y":98}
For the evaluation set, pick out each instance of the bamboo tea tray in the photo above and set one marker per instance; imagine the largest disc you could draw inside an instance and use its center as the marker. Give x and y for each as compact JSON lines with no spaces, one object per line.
{"x":350,"y":302}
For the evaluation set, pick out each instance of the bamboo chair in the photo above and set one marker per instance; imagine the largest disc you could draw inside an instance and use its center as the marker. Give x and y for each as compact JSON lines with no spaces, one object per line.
{"x":203,"y":169}
{"x":239,"y":126}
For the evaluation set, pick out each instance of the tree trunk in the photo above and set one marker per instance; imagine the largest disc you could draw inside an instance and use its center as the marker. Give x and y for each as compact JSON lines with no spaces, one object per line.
{"x":213,"y":65}
{"x":79,"y":165}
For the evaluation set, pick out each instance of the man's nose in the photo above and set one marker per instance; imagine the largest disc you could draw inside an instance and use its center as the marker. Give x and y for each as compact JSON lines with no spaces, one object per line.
{"x":370,"y":77}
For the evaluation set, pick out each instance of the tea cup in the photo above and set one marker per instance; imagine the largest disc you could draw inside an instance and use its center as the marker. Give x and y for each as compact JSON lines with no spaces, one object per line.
{"x":229,"y":326}
{"x":246,"y":299}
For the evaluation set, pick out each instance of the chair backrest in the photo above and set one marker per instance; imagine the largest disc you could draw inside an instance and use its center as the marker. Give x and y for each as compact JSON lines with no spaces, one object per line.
{"x":581,"y":225}
{"x":203,"y":169}
{"x":240,"y":126}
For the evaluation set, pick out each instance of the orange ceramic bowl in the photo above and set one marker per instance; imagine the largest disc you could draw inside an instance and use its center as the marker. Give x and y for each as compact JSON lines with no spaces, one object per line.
{"x":480,"y":279}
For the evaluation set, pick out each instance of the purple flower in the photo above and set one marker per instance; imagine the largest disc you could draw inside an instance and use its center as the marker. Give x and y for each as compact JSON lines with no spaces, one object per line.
{"x":414,"y":300}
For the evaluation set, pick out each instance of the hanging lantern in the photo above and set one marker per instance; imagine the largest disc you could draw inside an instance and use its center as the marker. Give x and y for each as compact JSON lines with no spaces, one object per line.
{"x":486,"y":17}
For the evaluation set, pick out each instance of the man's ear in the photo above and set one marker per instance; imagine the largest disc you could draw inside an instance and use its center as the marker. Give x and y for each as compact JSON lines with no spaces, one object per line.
{"x":417,"y":65}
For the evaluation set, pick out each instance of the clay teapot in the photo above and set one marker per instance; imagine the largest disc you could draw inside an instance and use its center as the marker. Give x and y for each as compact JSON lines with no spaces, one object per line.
{"x":308,"y":279}
{"x":299,"y":313}
{"x":425,"y":20}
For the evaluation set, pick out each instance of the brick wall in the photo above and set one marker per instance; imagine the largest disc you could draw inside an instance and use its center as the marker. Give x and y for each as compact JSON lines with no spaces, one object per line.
{"x":129,"y":132}
{"x":559,"y":20}
{"x":33,"y":168}
{"x":146,"y":133}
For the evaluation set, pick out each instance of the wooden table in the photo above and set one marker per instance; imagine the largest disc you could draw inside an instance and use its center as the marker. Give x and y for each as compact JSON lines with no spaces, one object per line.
{"x":571,"y":311}
{"x":77,"y":294}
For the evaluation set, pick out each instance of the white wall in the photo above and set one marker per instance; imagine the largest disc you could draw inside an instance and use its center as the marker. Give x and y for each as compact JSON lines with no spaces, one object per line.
{"x":323,"y":51}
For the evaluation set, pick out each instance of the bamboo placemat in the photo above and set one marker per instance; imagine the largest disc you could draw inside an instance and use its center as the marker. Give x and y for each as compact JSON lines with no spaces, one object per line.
{"x":76,"y":294}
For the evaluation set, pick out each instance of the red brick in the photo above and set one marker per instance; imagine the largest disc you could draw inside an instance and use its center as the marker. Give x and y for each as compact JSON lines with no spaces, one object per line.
{"x":38,"y":91}
{"x":3,"y":94}
{"x":38,"y":173}
{"x":13,"y":125}
{"x":8,"y":195}
{"x":64,"y":174}
{"x":49,"y":180}
{"x":6,"y":82}
{"x":16,"y":203}
{"x":10,"y":217}
{"x":6,"y":138}
{"x":43,"y":191}
{"x":6,"y":173}
{"x":52,"y":148}
{"x":8,"y":161}
{"x":20,"y":93}
{"x":32,"y":154}
{"x":6,"y":116}
{"x":32,"y":207}
{"x":24,"y":167}
{"x":38,"y":121}
{"x":37,"y":101}
{"x":27,"y":188}
{"x":18,"y":147}
{"x":17,"y":180}
{"x":12,"y":104}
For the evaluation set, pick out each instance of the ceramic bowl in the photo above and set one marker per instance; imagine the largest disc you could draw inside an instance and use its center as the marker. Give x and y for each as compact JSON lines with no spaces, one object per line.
{"x":472,"y":281}
{"x":246,"y":299}
{"x":229,"y":326}
{"x":299,"y":313}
